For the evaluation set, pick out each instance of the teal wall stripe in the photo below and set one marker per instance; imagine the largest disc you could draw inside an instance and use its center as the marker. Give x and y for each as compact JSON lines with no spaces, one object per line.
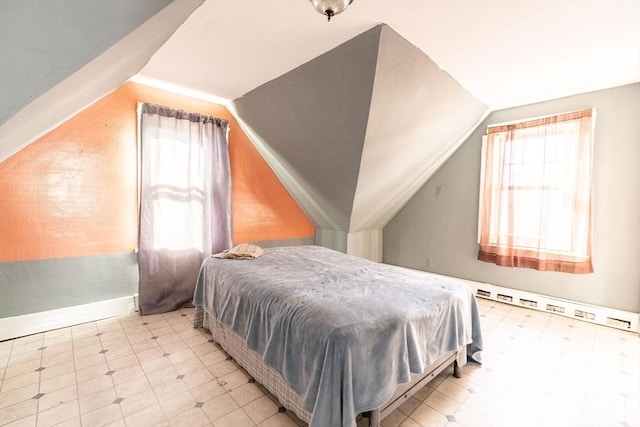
{"x":39,"y":285}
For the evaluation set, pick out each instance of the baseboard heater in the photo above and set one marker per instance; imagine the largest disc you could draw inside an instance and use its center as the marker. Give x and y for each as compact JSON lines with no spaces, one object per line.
{"x":618,"y":319}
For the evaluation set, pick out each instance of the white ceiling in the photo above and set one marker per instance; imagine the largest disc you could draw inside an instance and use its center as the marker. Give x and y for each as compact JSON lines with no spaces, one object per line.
{"x":505,"y":53}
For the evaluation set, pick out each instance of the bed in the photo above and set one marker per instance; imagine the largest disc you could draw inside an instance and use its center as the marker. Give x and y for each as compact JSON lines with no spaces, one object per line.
{"x":333,"y":336}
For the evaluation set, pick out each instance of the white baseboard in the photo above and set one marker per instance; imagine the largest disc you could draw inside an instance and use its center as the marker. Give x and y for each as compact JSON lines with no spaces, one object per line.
{"x":606,"y":316}
{"x":33,"y":323}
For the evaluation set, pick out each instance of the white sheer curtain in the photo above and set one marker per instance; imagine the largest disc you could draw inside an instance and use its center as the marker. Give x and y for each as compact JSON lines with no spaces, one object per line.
{"x":185,"y":203}
{"x":535,"y":205}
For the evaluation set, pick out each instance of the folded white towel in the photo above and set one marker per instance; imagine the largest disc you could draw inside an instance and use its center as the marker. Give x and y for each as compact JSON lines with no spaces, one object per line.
{"x":241,"y":251}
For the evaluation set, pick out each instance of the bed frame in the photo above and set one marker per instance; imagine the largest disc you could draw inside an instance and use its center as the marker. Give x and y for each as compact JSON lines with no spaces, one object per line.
{"x":251,"y":362}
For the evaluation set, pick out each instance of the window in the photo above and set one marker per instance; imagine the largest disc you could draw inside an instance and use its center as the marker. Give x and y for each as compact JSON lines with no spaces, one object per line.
{"x":535,"y":194}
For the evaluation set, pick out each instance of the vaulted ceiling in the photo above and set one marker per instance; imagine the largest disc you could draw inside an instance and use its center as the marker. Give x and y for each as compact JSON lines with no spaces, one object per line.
{"x":355,"y":114}
{"x":355,"y":132}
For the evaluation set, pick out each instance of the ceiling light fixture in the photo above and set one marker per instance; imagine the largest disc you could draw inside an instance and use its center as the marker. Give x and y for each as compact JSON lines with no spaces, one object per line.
{"x":329,"y":8}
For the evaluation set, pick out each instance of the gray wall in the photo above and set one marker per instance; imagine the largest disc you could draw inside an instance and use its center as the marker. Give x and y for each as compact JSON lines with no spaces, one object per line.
{"x":42,"y":42}
{"x":437,"y":229}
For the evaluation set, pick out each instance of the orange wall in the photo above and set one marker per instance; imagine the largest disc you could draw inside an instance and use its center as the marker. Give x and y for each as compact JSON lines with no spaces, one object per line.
{"x":73,"y":191}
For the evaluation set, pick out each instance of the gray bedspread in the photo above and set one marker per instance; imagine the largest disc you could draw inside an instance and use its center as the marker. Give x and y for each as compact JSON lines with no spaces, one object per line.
{"x":342,"y":331}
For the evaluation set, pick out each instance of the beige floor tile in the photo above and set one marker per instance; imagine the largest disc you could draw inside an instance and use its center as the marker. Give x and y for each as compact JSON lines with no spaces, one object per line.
{"x":19,"y":381}
{"x":223,"y":368}
{"x":195,"y":340}
{"x":149,"y":417}
{"x":156,"y":364}
{"x":174,"y":346}
{"x":279,"y":420}
{"x":195,"y":378}
{"x":204,"y":348}
{"x":394,"y":419}
{"x":22,"y":368}
{"x":409,"y":422}
{"x":57,"y":370}
{"x":161,"y":330}
{"x":181,"y":356}
{"x":127,"y":374}
{"x":453,"y":390}
{"x":163,"y":376}
{"x":97,"y":400}
{"x":423,"y":393}
{"x":23,"y":422}
{"x":157,"y":324}
{"x":140,"y":337}
{"x":237,"y":418}
{"x":61,"y":347}
{"x":409,"y":406}
{"x":138,"y":402}
{"x":26,"y":347}
{"x":143,"y":345}
{"x":18,"y":410}
{"x":58,"y":414}
{"x":87,"y":341}
{"x":471,"y":418}
{"x":91,"y":372}
{"x":124,"y":362}
{"x":132,"y":387}
{"x":168,"y":340}
{"x":105,"y":415}
{"x":58,"y":382}
{"x":119,"y":352}
{"x":186,"y":331}
{"x":427,"y":416}
{"x":233,"y":380}
{"x":207,"y":391}
{"x":73,"y":422}
{"x":150,"y":354}
{"x":57,"y":398}
{"x":113,"y":335}
{"x":89,"y":361}
{"x":193,"y":417}
{"x":260,"y":409}
{"x":245,"y":394}
{"x":219,"y":406}
{"x":50,"y":360}
{"x":94,"y":385}
{"x":117,"y":423}
{"x":169,"y":389}
{"x":178,"y":404}
{"x":214,"y":357}
{"x":442,"y":403}
{"x":90,"y":350}
{"x":136,"y":330}
{"x":18,"y":395}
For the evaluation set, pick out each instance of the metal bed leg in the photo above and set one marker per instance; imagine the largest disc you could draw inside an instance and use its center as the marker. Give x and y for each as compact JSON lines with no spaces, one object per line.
{"x":374,"y":418}
{"x":456,"y":369}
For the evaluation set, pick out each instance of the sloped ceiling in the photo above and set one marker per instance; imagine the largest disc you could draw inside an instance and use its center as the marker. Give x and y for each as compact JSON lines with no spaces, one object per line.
{"x":55,"y":39}
{"x":313,"y":123}
{"x":356,"y":131}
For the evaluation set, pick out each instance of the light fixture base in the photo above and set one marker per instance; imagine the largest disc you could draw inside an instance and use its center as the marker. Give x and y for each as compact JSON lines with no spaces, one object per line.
{"x":330,"y":8}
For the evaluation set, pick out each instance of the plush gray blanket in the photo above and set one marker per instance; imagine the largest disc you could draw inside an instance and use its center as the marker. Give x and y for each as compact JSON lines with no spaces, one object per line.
{"x":342,"y":331}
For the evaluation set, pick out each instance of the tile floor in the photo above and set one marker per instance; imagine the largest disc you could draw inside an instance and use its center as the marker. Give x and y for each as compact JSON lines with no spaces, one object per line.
{"x":539,"y":370}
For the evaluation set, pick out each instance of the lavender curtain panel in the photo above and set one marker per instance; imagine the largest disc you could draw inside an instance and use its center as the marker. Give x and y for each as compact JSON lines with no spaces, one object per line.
{"x":185,"y":203}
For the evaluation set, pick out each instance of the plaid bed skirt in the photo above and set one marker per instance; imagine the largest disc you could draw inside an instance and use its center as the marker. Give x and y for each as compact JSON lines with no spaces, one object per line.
{"x":251,"y":361}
